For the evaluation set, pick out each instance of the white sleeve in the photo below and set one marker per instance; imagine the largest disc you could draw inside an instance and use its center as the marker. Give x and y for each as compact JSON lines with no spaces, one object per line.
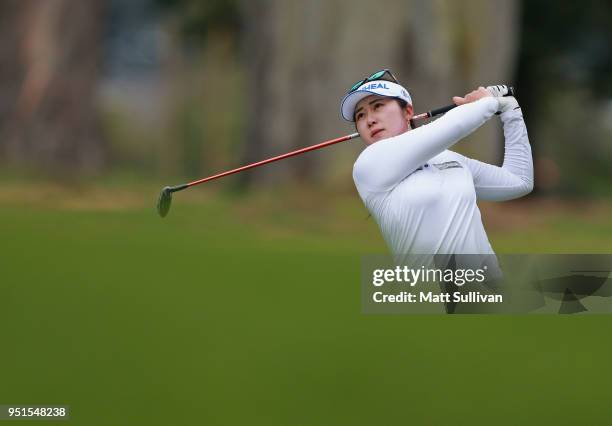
{"x":384,"y":164}
{"x":515,"y":177}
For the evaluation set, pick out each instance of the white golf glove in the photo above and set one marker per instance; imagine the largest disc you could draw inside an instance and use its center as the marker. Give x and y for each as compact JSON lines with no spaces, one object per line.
{"x":506,"y":103}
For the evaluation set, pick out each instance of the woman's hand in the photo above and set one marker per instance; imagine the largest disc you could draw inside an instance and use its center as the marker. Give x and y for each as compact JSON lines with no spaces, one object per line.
{"x":474,"y":95}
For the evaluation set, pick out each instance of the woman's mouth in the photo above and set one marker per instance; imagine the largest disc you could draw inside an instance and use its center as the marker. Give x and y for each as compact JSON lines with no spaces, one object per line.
{"x":375,"y":132}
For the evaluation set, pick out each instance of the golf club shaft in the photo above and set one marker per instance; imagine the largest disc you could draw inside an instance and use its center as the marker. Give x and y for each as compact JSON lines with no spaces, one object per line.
{"x":270,"y":160}
{"x":428,"y":114}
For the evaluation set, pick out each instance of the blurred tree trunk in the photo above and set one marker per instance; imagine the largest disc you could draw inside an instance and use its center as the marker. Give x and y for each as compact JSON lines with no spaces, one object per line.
{"x":292,"y":80}
{"x":49,"y":67}
{"x":455,"y":47}
{"x":302,"y":56}
{"x":263,"y":83}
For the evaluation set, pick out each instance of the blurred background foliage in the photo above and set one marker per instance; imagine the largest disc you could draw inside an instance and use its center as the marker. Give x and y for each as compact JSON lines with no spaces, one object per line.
{"x":185,"y":88}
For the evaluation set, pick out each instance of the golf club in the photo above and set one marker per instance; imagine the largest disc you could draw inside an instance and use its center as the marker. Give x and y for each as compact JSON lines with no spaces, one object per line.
{"x":165,"y":196}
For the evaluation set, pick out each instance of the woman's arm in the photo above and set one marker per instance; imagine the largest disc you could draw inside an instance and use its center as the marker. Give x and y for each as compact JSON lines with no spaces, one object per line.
{"x":382,"y":165}
{"x":515,"y":177}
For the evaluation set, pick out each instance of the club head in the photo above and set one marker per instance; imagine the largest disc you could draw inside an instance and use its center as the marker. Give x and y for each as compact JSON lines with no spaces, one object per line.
{"x":165,"y":199}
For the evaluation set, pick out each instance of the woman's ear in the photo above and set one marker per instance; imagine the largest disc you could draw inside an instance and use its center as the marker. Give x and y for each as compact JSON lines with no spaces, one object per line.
{"x":408,"y":112}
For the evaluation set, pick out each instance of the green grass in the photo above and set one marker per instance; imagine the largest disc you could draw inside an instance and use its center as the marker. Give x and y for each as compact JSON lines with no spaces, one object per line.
{"x":237,"y":311}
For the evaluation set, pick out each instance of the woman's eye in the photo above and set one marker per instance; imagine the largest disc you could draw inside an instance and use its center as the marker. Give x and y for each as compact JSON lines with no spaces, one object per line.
{"x":378,"y":104}
{"x":359,"y":116}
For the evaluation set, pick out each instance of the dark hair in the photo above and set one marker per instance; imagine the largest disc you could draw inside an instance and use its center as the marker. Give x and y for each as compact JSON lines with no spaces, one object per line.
{"x":402,"y":103}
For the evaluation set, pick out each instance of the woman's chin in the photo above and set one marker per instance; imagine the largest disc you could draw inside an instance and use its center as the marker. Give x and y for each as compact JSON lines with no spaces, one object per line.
{"x":378,"y":136}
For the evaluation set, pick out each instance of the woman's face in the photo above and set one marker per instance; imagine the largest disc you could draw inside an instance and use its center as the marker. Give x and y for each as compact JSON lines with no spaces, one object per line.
{"x":380,"y":117}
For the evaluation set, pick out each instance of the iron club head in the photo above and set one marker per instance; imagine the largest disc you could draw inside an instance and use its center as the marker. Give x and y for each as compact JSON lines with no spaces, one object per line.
{"x":165,"y":198}
{"x":164,"y":201}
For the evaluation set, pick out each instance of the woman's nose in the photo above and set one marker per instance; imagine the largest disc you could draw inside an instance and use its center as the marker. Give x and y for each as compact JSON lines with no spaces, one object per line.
{"x":371,"y":119}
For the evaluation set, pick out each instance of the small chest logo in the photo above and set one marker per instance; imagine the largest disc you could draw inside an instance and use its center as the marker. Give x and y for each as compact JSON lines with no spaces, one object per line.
{"x":448,"y":165}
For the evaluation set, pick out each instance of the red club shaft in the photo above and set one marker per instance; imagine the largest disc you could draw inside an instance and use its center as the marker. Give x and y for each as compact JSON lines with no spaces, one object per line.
{"x":277,"y":158}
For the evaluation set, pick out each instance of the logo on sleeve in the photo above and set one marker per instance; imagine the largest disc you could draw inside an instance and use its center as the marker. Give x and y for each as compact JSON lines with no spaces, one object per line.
{"x":448,"y":165}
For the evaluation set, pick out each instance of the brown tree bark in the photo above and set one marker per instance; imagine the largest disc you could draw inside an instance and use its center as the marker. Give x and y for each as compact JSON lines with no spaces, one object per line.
{"x":50,"y":61}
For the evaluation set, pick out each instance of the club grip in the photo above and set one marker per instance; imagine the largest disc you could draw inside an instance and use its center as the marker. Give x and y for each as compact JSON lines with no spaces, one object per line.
{"x":447,"y":108}
{"x":441,"y":110}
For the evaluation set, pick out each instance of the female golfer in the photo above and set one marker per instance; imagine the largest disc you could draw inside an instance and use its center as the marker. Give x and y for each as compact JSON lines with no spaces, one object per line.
{"x":421,"y":194}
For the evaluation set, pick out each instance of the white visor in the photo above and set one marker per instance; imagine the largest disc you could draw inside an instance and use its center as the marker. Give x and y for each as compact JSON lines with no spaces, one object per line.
{"x":376,"y":87}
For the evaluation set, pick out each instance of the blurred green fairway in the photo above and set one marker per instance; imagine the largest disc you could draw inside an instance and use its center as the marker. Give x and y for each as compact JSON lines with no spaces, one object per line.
{"x":242,"y":311}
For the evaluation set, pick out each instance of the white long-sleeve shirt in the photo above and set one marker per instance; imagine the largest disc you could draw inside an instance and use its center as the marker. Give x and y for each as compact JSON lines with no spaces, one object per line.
{"x":423,"y":196}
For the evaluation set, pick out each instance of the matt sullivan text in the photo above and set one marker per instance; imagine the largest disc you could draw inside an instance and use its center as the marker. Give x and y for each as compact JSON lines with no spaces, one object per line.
{"x":431,"y":297}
